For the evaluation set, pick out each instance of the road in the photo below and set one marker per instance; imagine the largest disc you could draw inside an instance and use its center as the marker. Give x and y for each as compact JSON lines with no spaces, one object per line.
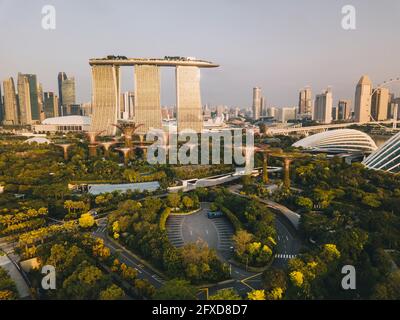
{"x":126,"y":256}
{"x":218,"y":235}
{"x":10,"y":263}
{"x":288,"y":243}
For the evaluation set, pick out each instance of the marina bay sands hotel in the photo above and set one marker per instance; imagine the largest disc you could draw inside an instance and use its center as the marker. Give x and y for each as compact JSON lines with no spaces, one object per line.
{"x":106,"y":86}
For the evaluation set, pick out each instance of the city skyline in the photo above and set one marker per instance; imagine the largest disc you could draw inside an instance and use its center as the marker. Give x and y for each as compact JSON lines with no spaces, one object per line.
{"x":277,"y":64}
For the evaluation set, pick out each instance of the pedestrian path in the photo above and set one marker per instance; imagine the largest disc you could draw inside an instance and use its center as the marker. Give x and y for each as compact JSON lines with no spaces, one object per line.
{"x":174,"y":227}
{"x":225,"y":233}
{"x":285,"y":256}
{"x":16,"y":276}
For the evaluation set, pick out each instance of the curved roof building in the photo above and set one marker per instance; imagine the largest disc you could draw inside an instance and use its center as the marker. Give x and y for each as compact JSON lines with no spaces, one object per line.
{"x":387,"y":157}
{"x":338,"y":141}
{"x":67,"y":120}
{"x":38,"y":140}
{"x":64,"y":124}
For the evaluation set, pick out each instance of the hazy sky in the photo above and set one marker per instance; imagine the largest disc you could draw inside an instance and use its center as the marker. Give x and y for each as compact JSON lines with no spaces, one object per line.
{"x":278,"y":45}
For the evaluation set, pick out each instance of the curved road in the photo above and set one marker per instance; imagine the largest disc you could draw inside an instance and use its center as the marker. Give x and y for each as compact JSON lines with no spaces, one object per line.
{"x":288,"y":243}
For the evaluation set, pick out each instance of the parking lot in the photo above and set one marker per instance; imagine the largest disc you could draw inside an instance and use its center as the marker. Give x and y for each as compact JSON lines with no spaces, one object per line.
{"x":217,"y":232}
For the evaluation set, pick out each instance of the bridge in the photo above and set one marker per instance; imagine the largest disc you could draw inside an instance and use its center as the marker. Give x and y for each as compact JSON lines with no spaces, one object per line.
{"x":192,"y":184}
{"x":321,"y":128}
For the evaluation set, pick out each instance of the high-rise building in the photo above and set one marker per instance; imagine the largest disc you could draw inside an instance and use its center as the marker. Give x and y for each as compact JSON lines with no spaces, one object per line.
{"x":220,"y":110}
{"x":334,"y":113}
{"x":305,"y":101}
{"x":362,"y":104}
{"x":10,"y":103}
{"x":147,"y":98}
{"x":256,"y":103}
{"x":323,"y":107}
{"x":87,"y":109}
{"x":1,"y":107}
{"x":344,"y":109}
{"x":188,"y":99}
{"x":272,"y":112}
{"x":24,"y":100}
{"x":127,"y":105}
{"x":286,"y":113}
{"x":264,"y":107}
{"x":106,"y":95}
{"x":73,"y":109}
{"x":147,"y":106}
{"x":40,"y":102}
{"x":68,"y":94}
{"x":50,"y":105}
{"x":34,"y":97}
{"x":380,"y":104}
{"x":61,"y":77}
{"x":393,"y":109}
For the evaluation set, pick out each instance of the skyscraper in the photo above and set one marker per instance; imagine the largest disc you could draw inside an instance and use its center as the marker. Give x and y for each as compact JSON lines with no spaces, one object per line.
{"x":286,"y":113}
{"x":106,"y":95}
{"x":147,"y":97}
{"x":335,"y":113}
{"x":127,"y":105}
{"x":40,"y":102}
{"x":344,"y":109}
{"x":34,"y":97}
{"x":272,"y":112}
{"x":61,"y":77}
{"x":380,"y":104}
{"x":24,"y":100}
{"x":263,"y":104}
{"x":323,"y":107}
{"x":68,"y":94}
{"x":362,"y":104}
{"x":256,"y":103}
{"x":50,"y":105}
{"x":1,"y":107}
{"x":106,"y":92}
{"x":188,"y":99}
{"x":10,"y":103}
{"x":305,"y":101}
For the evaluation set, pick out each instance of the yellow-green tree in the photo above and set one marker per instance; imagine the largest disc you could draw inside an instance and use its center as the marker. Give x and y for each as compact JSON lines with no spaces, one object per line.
{"x":86,"y":220}
{"x":297,"y":278}
{"x":113,"y":292}
{"x":173,"y":200}
{"x":256,"y":295}
{"x":275,"y":294}
{"x":225,"y":294}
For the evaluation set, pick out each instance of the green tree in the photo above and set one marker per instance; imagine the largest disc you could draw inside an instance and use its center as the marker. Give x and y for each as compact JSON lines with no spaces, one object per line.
{"x":113,"y":292}
{"x":305,"y":203}
{"x":274,"y":278}
{"x":173,"y":200}
{"x":187,"y":202}
{"x":176,"y":290}
{"x":225,"y":294}
{"x":242,"y":240}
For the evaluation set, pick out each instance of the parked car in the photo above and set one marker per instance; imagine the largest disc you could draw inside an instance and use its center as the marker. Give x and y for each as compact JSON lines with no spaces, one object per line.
{"x":214,"y":214}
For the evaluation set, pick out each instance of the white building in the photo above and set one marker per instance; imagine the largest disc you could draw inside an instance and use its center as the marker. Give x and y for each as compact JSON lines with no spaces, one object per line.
{"x":272,"y":112}
{"x":64,"y":124}
{"x":338,"y":141}
{"x":323,"y":107}
{"x":362,"y":105}
{"x":286,"y":113}
{"x":387,"y":157}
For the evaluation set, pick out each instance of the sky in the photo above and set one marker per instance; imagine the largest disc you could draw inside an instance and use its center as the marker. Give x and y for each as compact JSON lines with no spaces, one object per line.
{"x":280,"y":46}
